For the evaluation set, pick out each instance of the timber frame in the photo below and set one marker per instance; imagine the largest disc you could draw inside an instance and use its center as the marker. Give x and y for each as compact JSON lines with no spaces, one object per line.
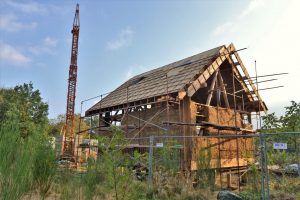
{"x":228,"y":53}
{"x":225,"y":54}
{"x":179,"y":108}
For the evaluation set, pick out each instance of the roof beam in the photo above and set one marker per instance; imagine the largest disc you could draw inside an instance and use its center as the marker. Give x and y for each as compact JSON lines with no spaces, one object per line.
{"x":232,"y":50}
{"x":237,"y":73}
{"x":203,"y":77}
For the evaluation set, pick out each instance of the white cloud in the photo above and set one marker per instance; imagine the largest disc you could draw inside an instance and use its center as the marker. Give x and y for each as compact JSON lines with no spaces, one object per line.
{"x":129,"y":74}
{"x":48,"y":41}
{"x":252,"y":6}
{"x":274,"y":40}
{"x":9,"y":54}
{"x":28,"y":7}
{"x":278,"y":51}
{"x":222,"y":28}
{"x":124,"y":39}
{"x":38,"y":50}
{"x":47,"y":46}
{"x":230,"y":26}
{"x":10,"y":23}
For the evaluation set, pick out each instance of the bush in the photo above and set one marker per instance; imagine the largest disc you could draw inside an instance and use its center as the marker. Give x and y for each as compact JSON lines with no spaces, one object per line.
{"x":44,"y":169}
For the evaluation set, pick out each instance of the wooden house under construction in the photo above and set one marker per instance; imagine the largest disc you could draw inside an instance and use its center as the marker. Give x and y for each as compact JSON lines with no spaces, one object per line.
{"x":209,"y":94}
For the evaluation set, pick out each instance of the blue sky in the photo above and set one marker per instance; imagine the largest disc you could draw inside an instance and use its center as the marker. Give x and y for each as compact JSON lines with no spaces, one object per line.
{"x":119,"y":39}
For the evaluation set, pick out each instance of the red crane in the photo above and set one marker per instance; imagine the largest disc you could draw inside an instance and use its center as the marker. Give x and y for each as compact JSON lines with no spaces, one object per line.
{"x":68,"y":138}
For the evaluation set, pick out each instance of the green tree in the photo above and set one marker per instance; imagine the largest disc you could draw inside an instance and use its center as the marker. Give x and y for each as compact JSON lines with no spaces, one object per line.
{"x":56,"y":125}
{"x":291,"y":120}
{"x":24,"y":104}
{"x":271,"y":122}
{"x":115,"y":168}
{"x":25,"y":157}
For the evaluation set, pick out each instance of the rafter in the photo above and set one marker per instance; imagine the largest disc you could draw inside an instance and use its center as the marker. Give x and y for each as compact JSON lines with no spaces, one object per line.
{"x":204,"y":76}
{"x":232,"y":51}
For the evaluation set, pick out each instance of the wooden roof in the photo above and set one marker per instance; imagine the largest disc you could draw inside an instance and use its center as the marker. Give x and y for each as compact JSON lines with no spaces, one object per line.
{"x":154,"y":83}
{"x":187,"y":74}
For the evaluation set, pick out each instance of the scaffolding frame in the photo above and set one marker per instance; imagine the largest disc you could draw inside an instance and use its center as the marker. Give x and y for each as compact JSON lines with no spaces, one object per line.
{"x":239,"y":75}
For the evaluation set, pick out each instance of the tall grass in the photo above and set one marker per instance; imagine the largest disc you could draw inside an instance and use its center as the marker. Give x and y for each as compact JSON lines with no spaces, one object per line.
{"x":26,"y":164}
{"x":205,"y":176}
{"x":44,"y":169}
{"x":15,"y":162}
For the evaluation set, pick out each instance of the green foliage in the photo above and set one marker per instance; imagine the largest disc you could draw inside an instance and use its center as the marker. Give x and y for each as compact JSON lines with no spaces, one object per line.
{"x":278,"y":157}
{"x":90,"y":179}
{"x":25,"y":163}
{"x":26,"y":160}
{"x":15,"y":162}
{"x":25,"y":105}
{"x":177,"y":186}
{"x":56,"y":125}
{"x":44,"y":168}
{"x":68,"y":185}
{"x":115,"y":166}
{"x":287,"y":184}
{"x":205,"y":176}
{"x":271,"y":122}
{"x":290,"y":121}
{"x":252,"y":190}
{"x":92,"y":122}
{"x":247,"y":195}
{"x":167,"y":157}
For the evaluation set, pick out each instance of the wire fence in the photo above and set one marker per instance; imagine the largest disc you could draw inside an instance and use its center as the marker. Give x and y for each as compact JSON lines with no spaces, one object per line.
{"x":256,"y":166}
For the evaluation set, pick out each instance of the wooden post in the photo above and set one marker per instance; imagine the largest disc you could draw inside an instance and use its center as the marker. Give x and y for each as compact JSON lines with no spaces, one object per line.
{"x":188,"y":116}
{"x":229,"y":180}
{"x":212,"y":86}
{"x":224,"y":93}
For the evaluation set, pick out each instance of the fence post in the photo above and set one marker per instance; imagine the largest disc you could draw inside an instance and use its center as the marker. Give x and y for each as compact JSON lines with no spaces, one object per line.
{"x":266,"y":164}
{"x":298,"y":154}
{"x":150,"y":181}
{"x":261,"y":155}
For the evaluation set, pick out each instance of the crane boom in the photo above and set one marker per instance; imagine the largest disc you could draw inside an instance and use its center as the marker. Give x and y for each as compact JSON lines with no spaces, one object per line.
{"x":68,"y":138}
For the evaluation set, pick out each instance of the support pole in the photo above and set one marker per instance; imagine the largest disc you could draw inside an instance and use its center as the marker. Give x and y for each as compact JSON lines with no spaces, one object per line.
{"x":298,"y":153}
{"x":211,"y":89}
{"x":261,"y":143}
{"x":236,"y":133}
{"x":150,"y":174}
{"x":167,"y":103}
{"x":224,"y":93}
{"x":266,"y":165}
{"x":127,"y":112}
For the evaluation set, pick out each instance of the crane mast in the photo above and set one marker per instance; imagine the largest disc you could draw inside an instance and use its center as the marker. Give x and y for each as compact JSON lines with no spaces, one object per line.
{"x":68,"y":137}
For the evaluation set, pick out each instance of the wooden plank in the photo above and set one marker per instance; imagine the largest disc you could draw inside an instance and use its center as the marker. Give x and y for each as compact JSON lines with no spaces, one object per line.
{"x":209,"y":124}
{"x":225,"y":163}
{"x":211,"y":89}
{"x":204,"y":76}
{"x":188,"y":116}
{"x":191,"y":90}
